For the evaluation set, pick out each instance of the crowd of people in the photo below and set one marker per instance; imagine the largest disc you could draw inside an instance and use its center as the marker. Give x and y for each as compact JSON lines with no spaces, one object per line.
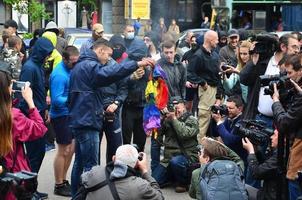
{"x":233,"y":113}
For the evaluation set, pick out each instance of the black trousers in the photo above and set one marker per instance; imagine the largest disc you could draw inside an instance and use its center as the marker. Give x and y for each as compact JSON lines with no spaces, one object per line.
{"x":132,"y":124}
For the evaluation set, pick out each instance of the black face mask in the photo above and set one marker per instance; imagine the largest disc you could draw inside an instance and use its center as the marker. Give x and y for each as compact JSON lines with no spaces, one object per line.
{"x":194,"y":46}
{"x":117,"y":53}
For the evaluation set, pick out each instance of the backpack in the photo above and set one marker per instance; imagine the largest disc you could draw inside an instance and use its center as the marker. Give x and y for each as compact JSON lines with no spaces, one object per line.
{"x":83,"y":191}
{"x":222,"y":180}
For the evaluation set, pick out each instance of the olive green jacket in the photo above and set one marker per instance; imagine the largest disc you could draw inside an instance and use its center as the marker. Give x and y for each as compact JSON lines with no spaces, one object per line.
{"x":186,"y":129}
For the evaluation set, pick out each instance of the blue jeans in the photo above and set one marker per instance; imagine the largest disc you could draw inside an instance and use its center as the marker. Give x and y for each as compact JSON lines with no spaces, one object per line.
{"x":113,"y":132}
{"x":86,"y":155}
{"x":176,"y":171}
{"x":155,"y":154}
{"x":294,"y":190}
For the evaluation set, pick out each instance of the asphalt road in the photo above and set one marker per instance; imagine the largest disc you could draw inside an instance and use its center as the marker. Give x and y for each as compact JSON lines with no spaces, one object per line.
{"x":46,"y":176}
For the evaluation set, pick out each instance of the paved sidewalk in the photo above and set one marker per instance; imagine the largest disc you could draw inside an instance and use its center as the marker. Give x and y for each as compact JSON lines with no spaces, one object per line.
{"x":46,"y":176}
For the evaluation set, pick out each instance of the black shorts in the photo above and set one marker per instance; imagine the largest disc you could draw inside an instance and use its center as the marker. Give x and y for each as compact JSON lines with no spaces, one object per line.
{"x":62,"y":130}
{"x":190,"y":93}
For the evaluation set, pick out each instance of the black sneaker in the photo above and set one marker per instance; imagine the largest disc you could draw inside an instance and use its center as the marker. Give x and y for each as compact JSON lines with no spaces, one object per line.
{"x":40,"y":196}
{"x":62,"y":190}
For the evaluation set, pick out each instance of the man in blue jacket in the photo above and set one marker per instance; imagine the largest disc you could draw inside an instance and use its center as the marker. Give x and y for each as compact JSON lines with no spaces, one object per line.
{"x":59,"y":90}
{"x":33,"y":72}
{"x":85,"y":102}
{"x":225,"y":128}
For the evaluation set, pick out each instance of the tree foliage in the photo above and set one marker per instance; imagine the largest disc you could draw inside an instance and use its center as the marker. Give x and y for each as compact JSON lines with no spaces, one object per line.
{"x":90,"y":3}
{"x":33,"y":8}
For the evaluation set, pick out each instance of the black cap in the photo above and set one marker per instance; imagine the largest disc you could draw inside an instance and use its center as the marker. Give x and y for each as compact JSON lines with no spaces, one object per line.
{"x":233,"y":32}
{"x":11,"y":23}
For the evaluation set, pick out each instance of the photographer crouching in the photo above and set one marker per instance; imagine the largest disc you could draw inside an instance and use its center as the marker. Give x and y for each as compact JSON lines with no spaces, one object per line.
{"x":180,"y":129}
{"x":289,"y":122}
{"x":232,"y":112}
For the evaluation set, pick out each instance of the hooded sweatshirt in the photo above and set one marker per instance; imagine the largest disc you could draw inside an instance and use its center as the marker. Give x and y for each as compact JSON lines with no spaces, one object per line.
{"x":136,"y":88}
{"x":33,"y":72}
{"x":55,"y":58}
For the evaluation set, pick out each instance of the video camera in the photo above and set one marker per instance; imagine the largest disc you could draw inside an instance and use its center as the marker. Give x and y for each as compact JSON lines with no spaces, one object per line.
{"x":254,"y":130}
{"x":222,"y":110}
{"x":266,"y":44}
{"x":23,"y":184}
{"x":284,"y":85}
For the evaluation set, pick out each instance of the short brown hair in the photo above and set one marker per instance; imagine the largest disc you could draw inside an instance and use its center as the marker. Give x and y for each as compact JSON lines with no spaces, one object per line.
{"x":213,"y":148}
{"x":13,"y":41}
{"x":168,"y":44}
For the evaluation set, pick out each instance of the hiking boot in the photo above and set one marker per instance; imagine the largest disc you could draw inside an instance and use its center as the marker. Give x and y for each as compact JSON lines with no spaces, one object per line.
{"x":180,"y":189}
{"x":62,"y":189}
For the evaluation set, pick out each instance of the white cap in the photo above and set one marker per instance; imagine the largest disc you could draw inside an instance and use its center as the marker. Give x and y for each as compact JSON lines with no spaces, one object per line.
{"x":127,"y":154}
{"x":51,"y":25}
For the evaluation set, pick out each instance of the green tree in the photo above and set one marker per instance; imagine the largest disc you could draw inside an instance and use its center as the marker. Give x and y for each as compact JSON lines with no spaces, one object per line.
{"x":34,"y":9}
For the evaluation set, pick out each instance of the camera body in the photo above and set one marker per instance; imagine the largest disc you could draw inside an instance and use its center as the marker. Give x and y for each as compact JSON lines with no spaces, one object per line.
{"x":221,"y":109}
{"x":23,"y":184}
{"x":284,"y":85}
{"x":254,"y":130}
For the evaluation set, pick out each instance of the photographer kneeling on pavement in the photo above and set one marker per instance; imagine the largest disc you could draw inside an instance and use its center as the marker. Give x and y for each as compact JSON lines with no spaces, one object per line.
{"x":265,"y":171}
{"x":289,"y":122}
{"x":180,"y":129}
{"x":219,"y":167}
{"x":126,"y":177}
{"x":226,"y":127}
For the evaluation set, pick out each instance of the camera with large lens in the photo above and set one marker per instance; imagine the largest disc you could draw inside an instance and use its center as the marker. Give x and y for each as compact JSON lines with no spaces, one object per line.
{"x":283,"y":83}
{"x":221,"y":109}
{"x":22,"y":184}
{"x":254,"y":130}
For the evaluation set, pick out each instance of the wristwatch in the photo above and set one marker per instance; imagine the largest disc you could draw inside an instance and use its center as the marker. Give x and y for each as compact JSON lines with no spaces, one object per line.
{"x":116,"y":103}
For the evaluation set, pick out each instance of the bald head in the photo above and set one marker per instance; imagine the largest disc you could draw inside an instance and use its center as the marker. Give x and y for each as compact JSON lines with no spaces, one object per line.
{"x":210,"y":39}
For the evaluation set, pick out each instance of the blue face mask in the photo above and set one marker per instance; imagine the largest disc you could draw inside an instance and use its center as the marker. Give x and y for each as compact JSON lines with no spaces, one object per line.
{"x":130,"y":36}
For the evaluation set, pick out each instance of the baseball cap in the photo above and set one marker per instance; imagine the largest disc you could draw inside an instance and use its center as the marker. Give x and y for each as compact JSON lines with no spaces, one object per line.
{"x":233,"y":32}
{"x":98,"y":28}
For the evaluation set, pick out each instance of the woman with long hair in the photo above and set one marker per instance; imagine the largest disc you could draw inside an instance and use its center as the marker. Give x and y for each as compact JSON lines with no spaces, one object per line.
{"x":6,"y":143}
{"x":16,"y":128}
{"x":231,"y":81}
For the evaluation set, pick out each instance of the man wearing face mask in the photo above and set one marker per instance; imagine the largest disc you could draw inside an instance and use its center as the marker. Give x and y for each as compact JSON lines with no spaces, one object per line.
{"x":191,"y":89}
{"x":113,"y":97}
{"x":86,"y":108}
{"x":119,"y":48}
{"x":129,"y":35}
